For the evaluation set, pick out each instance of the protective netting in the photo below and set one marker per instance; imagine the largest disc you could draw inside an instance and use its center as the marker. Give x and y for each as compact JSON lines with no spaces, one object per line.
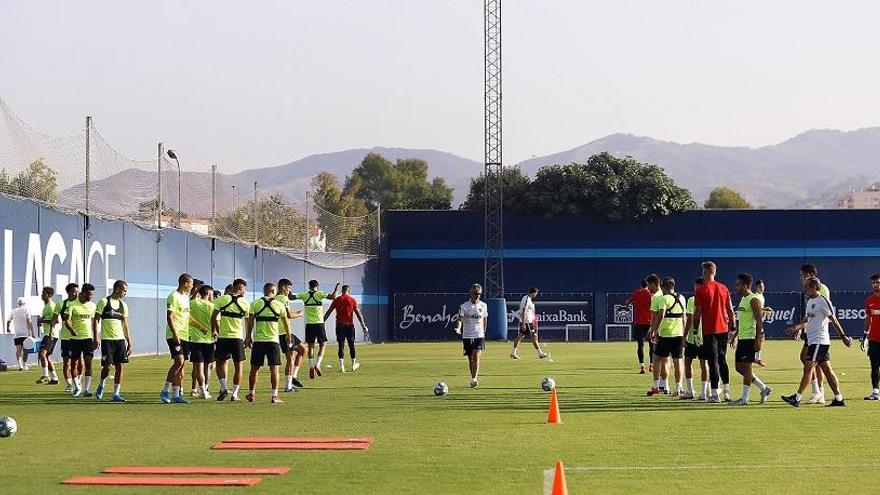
{"x":157,"y":193}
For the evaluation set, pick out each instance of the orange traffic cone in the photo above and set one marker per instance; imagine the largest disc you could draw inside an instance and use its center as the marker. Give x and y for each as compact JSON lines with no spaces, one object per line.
{"x":554,"y":417}
{"x":559,"y":487}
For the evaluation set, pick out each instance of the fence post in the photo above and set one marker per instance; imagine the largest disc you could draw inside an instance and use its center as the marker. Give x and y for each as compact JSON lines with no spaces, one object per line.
{"x":213,"y":198}
{"x":88,"y":159}
{"x":256,"y":237}
{"x":308,"y":195}
{"x":159,"y":195}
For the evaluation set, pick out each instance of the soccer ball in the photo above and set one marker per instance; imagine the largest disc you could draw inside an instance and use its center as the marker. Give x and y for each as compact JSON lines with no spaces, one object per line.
{"x":441,"y":389}
{"x":548,"y":384}
{"x":8,"y":427}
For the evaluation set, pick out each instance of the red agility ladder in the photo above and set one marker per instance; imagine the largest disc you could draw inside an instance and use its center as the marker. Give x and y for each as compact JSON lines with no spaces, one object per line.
{"x":300,"y":440}
{"x":292,"y":446}
{"x":159,"y":480}
{"x":233,"y":471}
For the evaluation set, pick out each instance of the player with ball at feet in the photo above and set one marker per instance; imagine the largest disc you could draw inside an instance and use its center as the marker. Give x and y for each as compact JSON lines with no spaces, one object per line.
{"x":470,"y":323}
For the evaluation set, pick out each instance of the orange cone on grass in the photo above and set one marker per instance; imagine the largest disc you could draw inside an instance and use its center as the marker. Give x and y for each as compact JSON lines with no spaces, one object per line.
{"x":559,"y":487}
{"x":554,"y":417}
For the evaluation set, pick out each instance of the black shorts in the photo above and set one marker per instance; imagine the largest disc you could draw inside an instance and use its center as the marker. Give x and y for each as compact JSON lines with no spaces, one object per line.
{"x":285,"y":346}
{"x":693,"y":351}
{"x":66,"y":348}
{"x":473,"y":345}
{"x":48,"y":344}
{"x":344,"y":332}
{"x":113,"y":352}
{"x":745,"y":351}
{"x":640,"y":332}
{"x":178,"y":350}
{"x":668,"y":347}
{"x":201,"y":352}
{"x":229,"y":349}
{"x":818,"y":353}
{"x":81,"y":348}
{"x":268,"y":352}
{"x":527,"y":329}
{"x":315,"y":332}
{"x":19,"y":340}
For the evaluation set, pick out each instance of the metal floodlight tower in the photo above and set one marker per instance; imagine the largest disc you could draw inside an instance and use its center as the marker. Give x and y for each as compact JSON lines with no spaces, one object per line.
{"x":494,"y":247}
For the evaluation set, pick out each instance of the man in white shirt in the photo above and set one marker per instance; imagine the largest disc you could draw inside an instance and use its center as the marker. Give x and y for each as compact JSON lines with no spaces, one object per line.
{"x":470,"y":323}
{"x":22,"y":328}
{"x":819,"y":312}
{"x":527,"y":326}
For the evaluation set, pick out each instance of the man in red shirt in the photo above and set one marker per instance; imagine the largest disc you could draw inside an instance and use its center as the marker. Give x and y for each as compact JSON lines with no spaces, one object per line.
{"x":872,"y":335}
{"x":346,"y":307}
{"x":640,"y":300}
{"x":714,"y":311}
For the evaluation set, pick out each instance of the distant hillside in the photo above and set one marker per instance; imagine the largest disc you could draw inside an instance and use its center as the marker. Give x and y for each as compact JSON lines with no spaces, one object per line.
{"x":811,"y":170}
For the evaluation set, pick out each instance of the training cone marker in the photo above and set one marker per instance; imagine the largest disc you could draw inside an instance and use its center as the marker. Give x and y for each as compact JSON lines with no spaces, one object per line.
{"x":554,"y":417}
{"x":559,"y":487}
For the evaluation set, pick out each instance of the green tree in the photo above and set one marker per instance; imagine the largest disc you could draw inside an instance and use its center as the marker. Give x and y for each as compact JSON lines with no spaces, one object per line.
{"x":607,"y":186}
{"x":514,"y":182}
{"x":403,"y":184}
{"x":37,"y":181}
{"x":278,"y":224}
{"x":340,"y":215}
{"x":725,"y":198}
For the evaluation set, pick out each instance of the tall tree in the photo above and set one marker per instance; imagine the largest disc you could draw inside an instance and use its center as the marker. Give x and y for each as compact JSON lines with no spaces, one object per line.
{"x":403,"y":184}
{"x":37,"y":181}
{"x":277,"y":224}
{"x":515,"y":189}
{"x":725,"y":198}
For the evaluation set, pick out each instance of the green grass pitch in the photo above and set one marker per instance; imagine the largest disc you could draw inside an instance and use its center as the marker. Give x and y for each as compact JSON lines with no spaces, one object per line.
{"x":493,"y":439}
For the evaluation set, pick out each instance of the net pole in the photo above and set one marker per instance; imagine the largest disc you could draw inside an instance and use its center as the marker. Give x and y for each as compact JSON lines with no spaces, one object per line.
{"x":159,"y":195}
{"x":88,"y":165}
{"x":214,"y":197}
{"x":256,"y":238}
{"x":305,"y":262}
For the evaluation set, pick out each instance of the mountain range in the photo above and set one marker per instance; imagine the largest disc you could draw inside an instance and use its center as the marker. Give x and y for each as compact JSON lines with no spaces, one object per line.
{"x":811,"y":170}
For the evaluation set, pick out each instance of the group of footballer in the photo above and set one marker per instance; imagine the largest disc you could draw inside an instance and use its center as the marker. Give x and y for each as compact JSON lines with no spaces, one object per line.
{"x":701,"y":328}
{"x":203,"y":326}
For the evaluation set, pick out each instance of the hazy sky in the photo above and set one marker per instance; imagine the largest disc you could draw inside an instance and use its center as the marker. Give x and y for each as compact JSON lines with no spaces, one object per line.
{"x":248,"y":84}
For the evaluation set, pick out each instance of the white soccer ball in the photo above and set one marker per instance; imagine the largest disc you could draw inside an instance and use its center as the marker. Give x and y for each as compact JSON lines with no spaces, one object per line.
{"x":441,"y":389}
{"x":8,"y":427}
{"x":548,"y":384}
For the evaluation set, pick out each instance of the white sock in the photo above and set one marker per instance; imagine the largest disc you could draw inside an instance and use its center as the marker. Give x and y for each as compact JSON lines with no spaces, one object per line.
{"x":746,"y":390}
{"x":289,"y":381}
{"x":822,"y":392}
{"x":342,"y":364}
{"x":664,"y":384}
{"x":758,"y":383}
{"x":513,"y":351}
{"x":757,"y":354}
{"x":223,"y":384}
{"x":318,"y":362}
{"x":235,"y":389}
{"x":205,"y":388}
{"x":658,"y":383}
{"x":175,"y":391}
{"x":274,"y":392}
{"x":88,"y":383}
{"x":716,"y":392}
{"x":295,"y":372}
{"x":54,"y":375}
{"x":726,"y":387}
{"x":45,"y":371}
{"x":167,"y":387}
{"x":797,"y":395}
{"x":705,"y":389}
{"x":68,"y":381}
{"x":20,"y":364}
{"x":77,"y":382}
{"x":690,"y":382}
{"x":117,"y":389}
{"x":311,"y":363}
{"x":877,"y":390}
{"x":354,"y":360}
{"x":539,"y":351}
{"x":838,"y":397}
{"x":815,"y":384}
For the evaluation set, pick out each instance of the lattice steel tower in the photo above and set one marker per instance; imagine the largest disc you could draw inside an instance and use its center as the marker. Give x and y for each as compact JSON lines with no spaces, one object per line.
{"x":494,"y":247}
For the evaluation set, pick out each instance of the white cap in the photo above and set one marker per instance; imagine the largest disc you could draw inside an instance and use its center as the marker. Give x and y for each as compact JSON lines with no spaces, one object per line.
{"x":22,"y":301}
